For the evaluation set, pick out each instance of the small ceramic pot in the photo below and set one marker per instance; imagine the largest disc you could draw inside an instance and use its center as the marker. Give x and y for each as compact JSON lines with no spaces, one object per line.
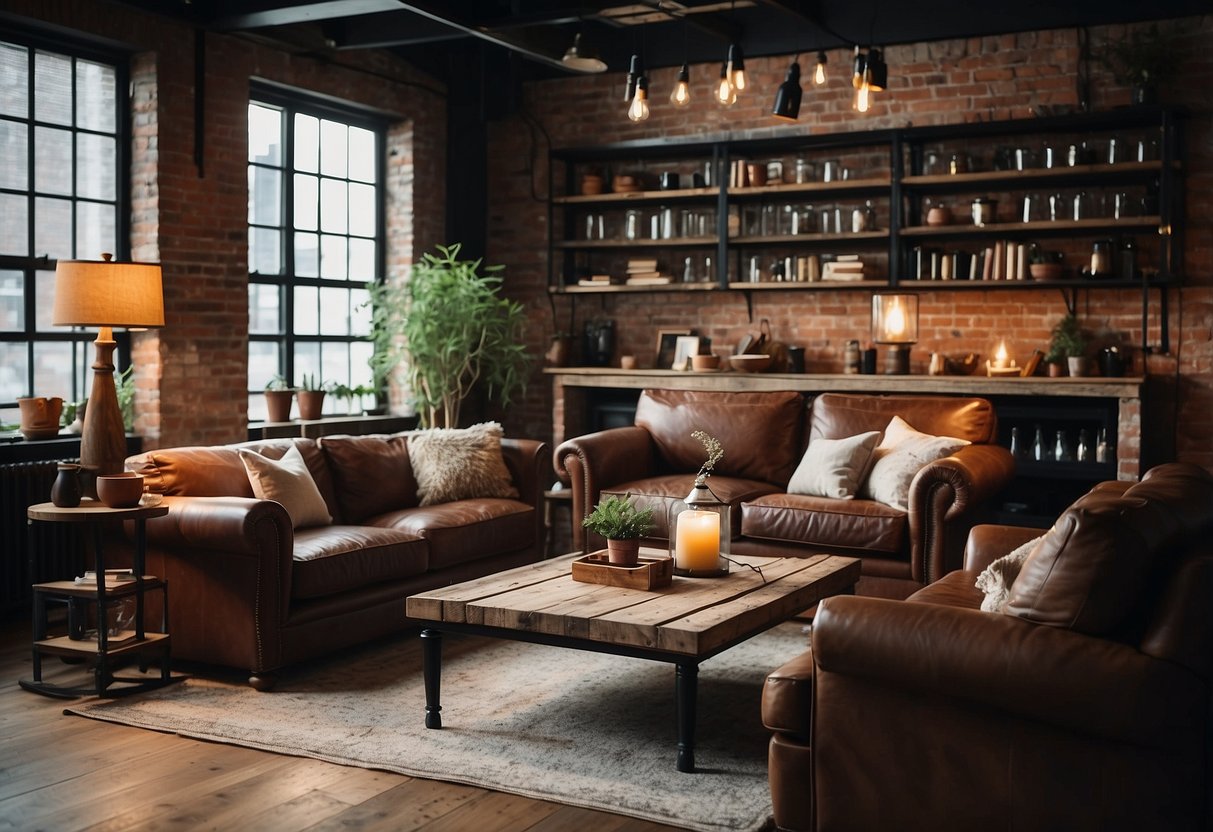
{"x":623,"y":552}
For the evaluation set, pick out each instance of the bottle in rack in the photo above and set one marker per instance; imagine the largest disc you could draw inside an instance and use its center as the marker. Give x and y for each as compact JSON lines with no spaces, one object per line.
{"x":1016,"y":450}
{"x":1038,"y":445}
{"x":1084,"y":446}
{"x":1101,"y":446}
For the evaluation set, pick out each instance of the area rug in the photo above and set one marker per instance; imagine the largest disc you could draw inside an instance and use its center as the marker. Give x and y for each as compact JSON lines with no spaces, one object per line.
{"x":579,"y":728}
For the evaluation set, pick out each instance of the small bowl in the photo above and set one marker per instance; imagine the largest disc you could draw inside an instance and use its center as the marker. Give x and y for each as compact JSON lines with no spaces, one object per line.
{"x":750,"y":363}
{"x":120,"y":490}
{"x":705,"y":363}
{"x":1045,"y":271}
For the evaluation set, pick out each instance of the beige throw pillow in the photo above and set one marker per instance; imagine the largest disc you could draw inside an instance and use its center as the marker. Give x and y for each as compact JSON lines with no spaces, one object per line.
{"x":996,"y":579}
{"x":900,"y":455}
{"x":834,"y":467}
{"x":287,"y":481}
{"x":459,"y":464}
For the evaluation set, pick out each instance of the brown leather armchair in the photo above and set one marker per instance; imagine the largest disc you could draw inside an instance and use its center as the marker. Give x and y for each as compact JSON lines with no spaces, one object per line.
{"x":1084,"y":704}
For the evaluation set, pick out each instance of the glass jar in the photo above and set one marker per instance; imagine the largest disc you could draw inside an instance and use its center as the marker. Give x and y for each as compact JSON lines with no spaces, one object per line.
{"x":1101,"y":258}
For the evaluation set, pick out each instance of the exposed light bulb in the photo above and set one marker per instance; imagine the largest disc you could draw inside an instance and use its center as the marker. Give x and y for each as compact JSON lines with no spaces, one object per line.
{"x":639,"y":109}
{"x":737,"y":67}
{"x":739,"y":79}
{"x":819,"y":75}
{"x":681,"y":94}
{"x":726,"y":93}
{"x":861,"y":98}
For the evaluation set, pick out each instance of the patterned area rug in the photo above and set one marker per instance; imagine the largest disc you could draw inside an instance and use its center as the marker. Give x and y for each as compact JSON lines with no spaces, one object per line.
{"x":574,"y":727}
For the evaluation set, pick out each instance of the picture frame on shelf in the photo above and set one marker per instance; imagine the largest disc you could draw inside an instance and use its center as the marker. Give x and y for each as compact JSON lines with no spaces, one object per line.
{"x":667,"y":341}
{"x":684,"y":347}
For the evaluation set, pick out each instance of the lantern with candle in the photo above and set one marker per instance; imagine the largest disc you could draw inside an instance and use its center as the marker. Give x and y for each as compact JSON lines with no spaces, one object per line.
{"x":700,"y":524}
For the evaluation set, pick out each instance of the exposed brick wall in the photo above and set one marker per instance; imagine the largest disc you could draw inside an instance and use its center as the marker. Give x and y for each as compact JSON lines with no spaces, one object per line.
{"x":930,"y":83}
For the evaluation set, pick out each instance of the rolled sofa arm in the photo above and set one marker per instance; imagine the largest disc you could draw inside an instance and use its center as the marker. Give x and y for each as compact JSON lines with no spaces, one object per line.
{"x":1025,"y":670}
{"x":590,"y":463}
{"x":944,"y":498}
{"x":242,"y":525}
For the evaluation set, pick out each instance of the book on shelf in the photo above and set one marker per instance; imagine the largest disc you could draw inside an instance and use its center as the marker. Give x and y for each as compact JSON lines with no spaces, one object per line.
{"x":642,"y":265}
{"x":844,"y":270}
{"x":595,"y":280}
{"x":111,"y":576}
{"x":652,"y":279}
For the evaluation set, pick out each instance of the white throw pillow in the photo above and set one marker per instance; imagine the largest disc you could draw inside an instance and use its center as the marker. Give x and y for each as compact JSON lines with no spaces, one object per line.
{"x":996,"y":579}
{"x":900,"y":455}
{"x":459,"y":464}
{"x":287,"y":481}
{"x":834,"y":467}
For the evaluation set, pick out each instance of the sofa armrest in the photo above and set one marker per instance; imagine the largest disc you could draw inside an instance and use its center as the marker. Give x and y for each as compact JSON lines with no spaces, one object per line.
{"x":590,"y":463}
{"x":1011,"y":666}
{"x":230,"y":524}
{"x":945,"y":498}
{"x":988,"y":542}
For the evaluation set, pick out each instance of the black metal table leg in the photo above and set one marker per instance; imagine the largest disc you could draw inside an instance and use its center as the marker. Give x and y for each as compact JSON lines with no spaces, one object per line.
{"x":431,"y":662}
{"x":686,"y":685}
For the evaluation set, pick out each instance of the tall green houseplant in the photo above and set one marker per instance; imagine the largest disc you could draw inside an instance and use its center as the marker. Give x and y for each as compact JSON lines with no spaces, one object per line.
{"x":449,"y":330}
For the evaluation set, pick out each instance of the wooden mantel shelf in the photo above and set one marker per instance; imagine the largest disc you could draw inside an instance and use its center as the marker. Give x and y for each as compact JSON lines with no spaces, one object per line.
{"x":974,"y":385}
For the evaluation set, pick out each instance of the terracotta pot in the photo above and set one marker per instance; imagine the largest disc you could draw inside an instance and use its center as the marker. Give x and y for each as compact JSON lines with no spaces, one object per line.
{"x":623,"y":552}
{"x":311,"y":404}
{"x":40,"y":416}
{"x":278,"y":405}
{"x":1055,"y":370}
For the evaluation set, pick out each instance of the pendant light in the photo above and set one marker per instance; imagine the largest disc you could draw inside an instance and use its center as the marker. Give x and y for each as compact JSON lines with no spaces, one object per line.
{"x":737,"y":67}
{"x":680,"y":96}
{"x":639,"y":108}
{"x":726,"y":93}
{"x":878,"y":70}
{"x":819,"y":73}
{"x":787,"y":97}
{"x":634,"y":72}
{"x":581,"y":59}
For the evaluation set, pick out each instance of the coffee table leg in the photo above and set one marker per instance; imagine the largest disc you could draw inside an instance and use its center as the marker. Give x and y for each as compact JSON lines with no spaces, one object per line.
{"x":431,"y":662}
{"x":686,"y":685}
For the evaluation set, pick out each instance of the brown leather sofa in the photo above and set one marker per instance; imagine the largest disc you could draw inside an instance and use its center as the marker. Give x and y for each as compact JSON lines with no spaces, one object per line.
{"x":764,"y":435}
{"x":1085,"y":704}
{"x":248,"y":591}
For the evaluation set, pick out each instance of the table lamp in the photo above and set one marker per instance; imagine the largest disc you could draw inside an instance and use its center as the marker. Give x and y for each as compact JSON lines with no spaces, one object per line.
{"x":895,"y":324}
{"x":106,"y":294}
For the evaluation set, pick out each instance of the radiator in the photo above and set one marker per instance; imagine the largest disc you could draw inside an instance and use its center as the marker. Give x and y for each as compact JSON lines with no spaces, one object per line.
{"x":57,"y":547}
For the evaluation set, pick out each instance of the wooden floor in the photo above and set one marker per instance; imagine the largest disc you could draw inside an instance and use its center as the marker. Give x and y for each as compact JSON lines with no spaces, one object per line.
{"x":65,"y":773}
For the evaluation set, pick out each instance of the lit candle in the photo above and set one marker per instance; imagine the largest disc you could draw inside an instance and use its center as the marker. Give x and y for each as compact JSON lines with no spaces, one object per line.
{"x":1000,"y":357}
{"x":697,"y":541}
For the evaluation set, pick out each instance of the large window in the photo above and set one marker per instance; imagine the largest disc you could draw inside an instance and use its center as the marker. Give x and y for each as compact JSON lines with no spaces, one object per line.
{"x":315,"y":242}
{"x":62,"y":195}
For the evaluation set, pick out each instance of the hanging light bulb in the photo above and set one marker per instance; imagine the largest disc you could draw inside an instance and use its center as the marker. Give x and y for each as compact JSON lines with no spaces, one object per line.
{"x":726,"y":93}
{"x":634,"y":72}
{"x":863,"y":94}
{"x":639,"y":109}
{"x":819,"y":74}
{"x":681,"y":95}
{"x":737,"y":67}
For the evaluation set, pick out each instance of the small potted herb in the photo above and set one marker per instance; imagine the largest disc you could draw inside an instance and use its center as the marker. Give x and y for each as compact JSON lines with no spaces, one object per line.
{"x":623,"y":525}
{"x":1068,"y":343}
{"x":311,"y":397}
{"x":278,"y":396}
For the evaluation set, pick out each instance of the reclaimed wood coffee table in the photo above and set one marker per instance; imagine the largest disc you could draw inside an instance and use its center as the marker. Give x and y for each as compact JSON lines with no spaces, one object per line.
{"x":685,"y":623}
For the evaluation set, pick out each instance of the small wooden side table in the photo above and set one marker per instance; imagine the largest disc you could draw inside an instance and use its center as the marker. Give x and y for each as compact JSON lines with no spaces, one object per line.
{"x":107,"y":653}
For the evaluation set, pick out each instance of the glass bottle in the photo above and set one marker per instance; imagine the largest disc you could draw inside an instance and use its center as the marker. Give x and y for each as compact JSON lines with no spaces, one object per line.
{"x":1015,"y":449}
{"x":1061,"y":451}
{"x":1038,"y":444}
{"x":1101,"y":446}
{"x":1084,"y":446}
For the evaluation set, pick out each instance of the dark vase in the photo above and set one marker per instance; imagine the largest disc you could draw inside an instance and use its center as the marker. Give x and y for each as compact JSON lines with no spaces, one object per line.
{"x":66,"y":491}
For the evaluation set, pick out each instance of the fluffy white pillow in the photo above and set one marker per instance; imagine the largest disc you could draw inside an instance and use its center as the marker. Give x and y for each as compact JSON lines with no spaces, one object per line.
{"x":996,"y":579}
{"x":459,"y":464}
{"x":287,"y":481}
{"x":834,"y":467}
{"x":900,"y":455}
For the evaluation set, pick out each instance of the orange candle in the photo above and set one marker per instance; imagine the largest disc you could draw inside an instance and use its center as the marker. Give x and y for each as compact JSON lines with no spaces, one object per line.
{"x":697,"y":541}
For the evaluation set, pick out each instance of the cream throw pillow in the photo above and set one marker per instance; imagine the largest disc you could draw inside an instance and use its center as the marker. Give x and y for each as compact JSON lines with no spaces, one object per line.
{"x":287,"y":481}
{"x":900,"y":455}
{"x":996,"y":579}
{"x":834,"y":467}
{"x":459,"y":464}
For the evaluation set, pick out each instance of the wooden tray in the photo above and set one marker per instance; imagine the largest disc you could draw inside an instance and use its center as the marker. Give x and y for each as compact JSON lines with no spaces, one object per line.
{"x":651,"y":573}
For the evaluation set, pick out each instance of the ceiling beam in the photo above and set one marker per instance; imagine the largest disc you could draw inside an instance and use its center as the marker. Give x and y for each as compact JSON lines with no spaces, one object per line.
{"x":315,"y":12}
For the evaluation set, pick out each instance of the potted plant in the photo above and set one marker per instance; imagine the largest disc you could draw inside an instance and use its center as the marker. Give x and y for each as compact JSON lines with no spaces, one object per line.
{"x":1142,"y":60}
{"x":278,"y":397}
{"x":448,"y":329}
{"x":623,"y":525}
{"x":311,"y":396}
{"x":1067,"y":343}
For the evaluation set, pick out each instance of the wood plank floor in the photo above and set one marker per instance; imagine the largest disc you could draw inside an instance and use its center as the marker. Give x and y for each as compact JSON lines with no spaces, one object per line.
{"x":67,"y":773}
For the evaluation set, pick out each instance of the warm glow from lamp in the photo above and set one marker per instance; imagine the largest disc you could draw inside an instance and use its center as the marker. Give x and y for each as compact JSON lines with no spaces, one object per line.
{"x":639,"y":109}
{"x":895,"y":323}
{"x":106,"y":294}
{"x":819,"y":74}
{"x":863,"y":94}
{"x":1000,"y":357}
{"x":681,"y":95}
{"x":726,"y":94}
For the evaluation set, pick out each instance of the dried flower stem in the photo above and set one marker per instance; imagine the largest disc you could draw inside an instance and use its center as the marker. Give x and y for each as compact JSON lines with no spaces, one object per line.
{"x":715,"y":452}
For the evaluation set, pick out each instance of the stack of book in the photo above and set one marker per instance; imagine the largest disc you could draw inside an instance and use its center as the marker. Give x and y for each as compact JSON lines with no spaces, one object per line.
{"x":846,"y":267}
{"x":112,"y":576}
{"x":597,"y":280}
{"x":645,"y":272}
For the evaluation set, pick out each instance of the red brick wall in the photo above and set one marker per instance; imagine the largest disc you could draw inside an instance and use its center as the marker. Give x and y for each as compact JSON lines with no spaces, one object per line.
{"x":930,"y":83}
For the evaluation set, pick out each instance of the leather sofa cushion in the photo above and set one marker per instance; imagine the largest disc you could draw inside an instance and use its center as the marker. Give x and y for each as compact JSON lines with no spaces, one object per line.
{"x":466,"y":530}
{"x":787,"y":697}
{"x":760,"y":432}
{"x":660,"y":494}
{"x":854,"y":524}
{"x":1092,"y":566}
{"x":955,"y":589}
{"x":372,"y":474}
{"x":839,"y":415}
{"x":333,"y":559}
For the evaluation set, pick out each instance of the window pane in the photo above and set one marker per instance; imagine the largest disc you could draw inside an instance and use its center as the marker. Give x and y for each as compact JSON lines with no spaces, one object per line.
{"x":333,"y":206}
{"x":306,"y":195}
{"x":307,"y":255}
{"x":262,"y":363}
{"x":307,"y":315}
{"x":332,"y":148}
{"x":264,"y":309}
{"x":14,"y":366}
{"x":307,"y":360}
{"x":96,"y":166}
{"x":332,"y":257}
{"x":334,"y":311}
{"x":96,"y":96}
{"x":335,"y":367}
{"x":256,"y":407}
{"x":14,"y":224}
{"x":14,"y":154}
{"x":264,"y":196}
{"x":362,"y":210}
{"x":264,"y":250}
{"x":307,"y":143}
{"x":53,"y":228}
{"x":360,"y":312}
{"x":52,"y":88}
{"x":95,"y":230}
{"x":12,"y":300}
{"x":264,"y":135}
{"x":44,"y":302}
{"x":362,"y":260}
{"x":52,"y":161}
{"x":14,"y":80}
{"x":53,"y":369}
{"x":362,"y":154}
{"x":360,"y":367}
